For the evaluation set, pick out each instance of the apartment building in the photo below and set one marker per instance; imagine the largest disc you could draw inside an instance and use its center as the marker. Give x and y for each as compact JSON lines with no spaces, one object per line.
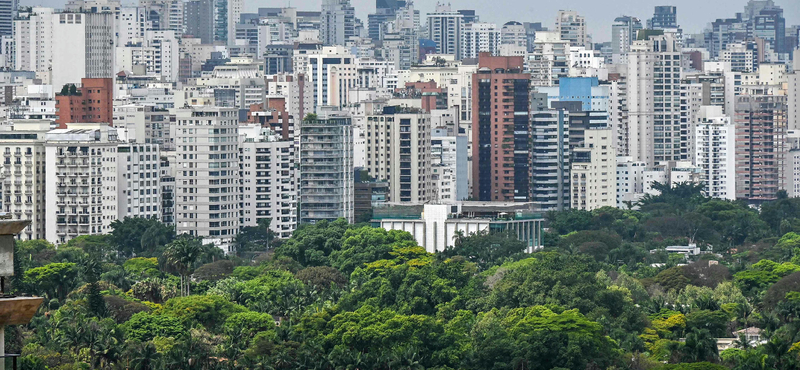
{"x":207,"y":174}
{"x":145,"y":124}
{"x":398,"y":150}
{"x":23,"y":174}
{"x":656,"y":133}
{"x":93,"y":102}
{"x":268,"y":180}
{"x":760,"y":146}
{"x":138,"y":185}
{"x":326,"y":169}
{"x":715,"y":146}
{"x":449,"y":167}
{"x":81,"y":181}
{"x":501,"y":152}
{"x":593,"y":171}
{"x":550,"y":163}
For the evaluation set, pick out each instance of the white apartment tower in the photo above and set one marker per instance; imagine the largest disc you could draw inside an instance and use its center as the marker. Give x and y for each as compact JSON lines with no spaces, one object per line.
{"x":549,"y":60}
{"x":715,"y":146}
{"x":630,"y":182}
{"x":594,"y":173}
{"x":207,"y":175}
{"x":331,"y":74}
{"x":138,"y":188}
{"x":81,"y":181}
{"x":337,"y":22}
{"x":23,"y":174}
{"x":572,"y":27}
{"x":479,"y":37}
{"x":449,"y":167}
{"x":268,"y":180}
{"x":444,"y":28}
{"x":398,"y":150}
{"x":655,"y":132}
{"x":65,"y":47}
{"x":513,"y":33}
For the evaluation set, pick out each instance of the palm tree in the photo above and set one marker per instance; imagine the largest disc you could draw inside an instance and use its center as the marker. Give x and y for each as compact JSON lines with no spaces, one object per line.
{"x":145,"y":357}
{"x":182,"y":254}
{"x":700,"y":346}
{"x":743,"y":342}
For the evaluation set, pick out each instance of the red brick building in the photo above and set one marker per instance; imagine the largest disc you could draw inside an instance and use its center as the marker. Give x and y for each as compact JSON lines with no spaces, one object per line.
{"x":93,"y":102}
{"x":501,"y":141}
{"x":273,"y":116}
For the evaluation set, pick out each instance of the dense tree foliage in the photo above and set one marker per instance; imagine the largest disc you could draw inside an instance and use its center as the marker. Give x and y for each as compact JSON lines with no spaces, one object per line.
{"x":603,"y":294}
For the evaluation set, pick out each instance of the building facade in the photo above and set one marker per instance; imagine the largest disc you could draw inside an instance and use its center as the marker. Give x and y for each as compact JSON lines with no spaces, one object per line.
{"x":398,"y":150}
{"x":501,"y":151}
{"x":207,"y":174}
{"x":326,"y":170}
{"x":593,"y":171}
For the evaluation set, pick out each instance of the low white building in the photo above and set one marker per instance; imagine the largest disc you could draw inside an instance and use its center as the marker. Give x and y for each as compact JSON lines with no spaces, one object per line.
{"x":434,"y":226}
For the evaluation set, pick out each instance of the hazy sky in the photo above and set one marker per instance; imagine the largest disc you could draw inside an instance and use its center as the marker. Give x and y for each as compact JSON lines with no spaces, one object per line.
{"x":693,"y":15}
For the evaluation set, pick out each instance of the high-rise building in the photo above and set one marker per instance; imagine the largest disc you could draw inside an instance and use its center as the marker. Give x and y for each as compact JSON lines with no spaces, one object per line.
{"x":449,"y":166}
{"x":138,"y":185}
{"x":479,"y":38}
{"x":792,"y":164}
{"x":549,"y":60}
{"x":23,"y":174}
{"x":385,"y":11}
{"x":501,"y":151}
{"x":131,"y":24}
{"x":93,"y":102}
{"x":337,"y":22}
{"x":65,"y":47}
{"x":278,"y":59}
{"x":664,"y":17}
{"x":164,"y":14}
{"x":207,"y":174}
{"x":793,"y":97}
{"x":331,"y":73}
{"x":199,"y":20}
{"x":593,"y":171}
{"x":226,"y":16}
{"x":630,"y":182}
{"x":655,"y":132}
{"x":80,"y":181}
{"x":760,"y":146}
{"x":530,"y":32}
{"x":158,"y":51}
{"x":514,"y":33}
{"x":724,"y":32}
{"x":398,"y":150}
{"x":444,"y":29}
{"x":8,"y":10}
{"x":145,"y":124}
{"x":268,"y":180}
{"x":326,"y":169}
{"x":742,"y":56}
{"x":765,"y":20}
{"x":572,"y":27}
{"x":550,"y":164}
{"x":623,"y":33}
{"x":715,"y":156}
